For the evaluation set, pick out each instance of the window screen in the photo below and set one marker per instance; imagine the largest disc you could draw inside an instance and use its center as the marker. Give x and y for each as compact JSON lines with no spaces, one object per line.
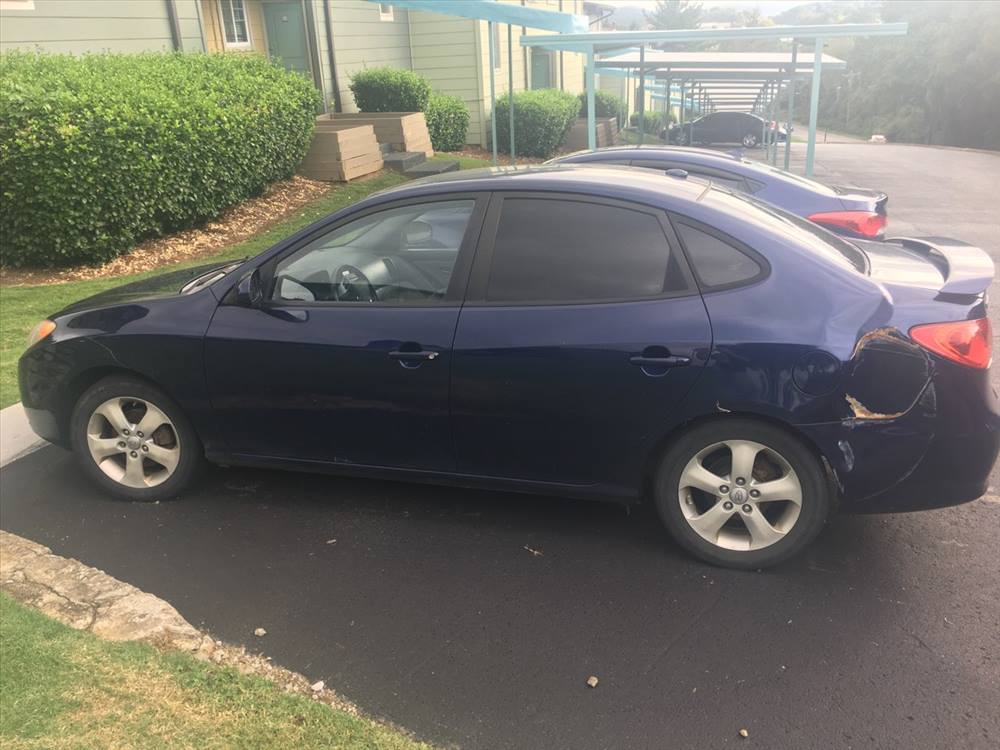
{"x":572,"y":251}
{"x":716,"y":262}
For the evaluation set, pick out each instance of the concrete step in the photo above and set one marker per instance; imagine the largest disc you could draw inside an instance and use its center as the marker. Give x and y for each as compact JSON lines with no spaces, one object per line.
{"x":431,"y":167}
{"x":401,"y":161}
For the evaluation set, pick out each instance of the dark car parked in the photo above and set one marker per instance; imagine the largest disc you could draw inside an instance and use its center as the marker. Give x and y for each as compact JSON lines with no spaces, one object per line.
{"x":855,"y":212}
{"x":555,"y":329}
{"x":723,"y":128}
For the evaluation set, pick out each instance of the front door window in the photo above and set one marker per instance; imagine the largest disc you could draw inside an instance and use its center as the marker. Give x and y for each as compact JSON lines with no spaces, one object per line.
{"x":403,"y":255}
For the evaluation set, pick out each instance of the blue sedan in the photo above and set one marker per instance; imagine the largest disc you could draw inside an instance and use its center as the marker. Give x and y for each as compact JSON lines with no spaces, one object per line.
{"x":597,"y":333}
{"x":855,"y":212}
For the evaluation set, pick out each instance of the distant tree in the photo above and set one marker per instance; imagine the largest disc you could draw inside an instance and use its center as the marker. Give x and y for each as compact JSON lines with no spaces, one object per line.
{"x":675,"y":14}
{"x":939,"y":84}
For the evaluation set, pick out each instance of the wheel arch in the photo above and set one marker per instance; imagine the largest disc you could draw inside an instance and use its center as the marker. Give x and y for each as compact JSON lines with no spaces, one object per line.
{"x":666,"y":441}
{"x":70,"y":394}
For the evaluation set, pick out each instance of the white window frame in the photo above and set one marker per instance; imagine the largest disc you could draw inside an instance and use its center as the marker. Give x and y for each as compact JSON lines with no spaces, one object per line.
{"x":248,"y":44}
{"x":17,"y":4}
{"x":385,"y":12}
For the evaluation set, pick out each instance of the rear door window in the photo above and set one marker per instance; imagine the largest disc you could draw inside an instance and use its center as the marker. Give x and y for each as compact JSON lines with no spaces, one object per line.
{"x":560,"y":250}
{"x":717,"y":262}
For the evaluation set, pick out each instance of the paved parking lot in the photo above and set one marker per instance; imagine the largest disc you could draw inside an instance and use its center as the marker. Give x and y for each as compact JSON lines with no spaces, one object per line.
{"x":474,"y":618}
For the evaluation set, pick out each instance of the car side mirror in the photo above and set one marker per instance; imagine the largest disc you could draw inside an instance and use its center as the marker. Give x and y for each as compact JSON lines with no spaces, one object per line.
{"x":250,"y":291}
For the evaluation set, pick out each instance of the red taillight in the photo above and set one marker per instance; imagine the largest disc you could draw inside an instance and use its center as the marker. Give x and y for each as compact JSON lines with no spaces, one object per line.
{"x":865,"y":223}
{"x":966,"y":341}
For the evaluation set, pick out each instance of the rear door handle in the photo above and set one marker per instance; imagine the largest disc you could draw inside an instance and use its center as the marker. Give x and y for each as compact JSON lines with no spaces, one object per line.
{"x":664,"y":361}
{"x":418,"y":356}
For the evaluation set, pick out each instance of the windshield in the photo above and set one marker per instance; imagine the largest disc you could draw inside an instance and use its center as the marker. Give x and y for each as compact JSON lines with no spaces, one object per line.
{"x":805,"y":232}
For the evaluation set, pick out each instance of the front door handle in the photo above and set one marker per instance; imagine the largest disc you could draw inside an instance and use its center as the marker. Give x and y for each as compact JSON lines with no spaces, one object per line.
{"x":667,"y":360}
{"x":411,"y":355}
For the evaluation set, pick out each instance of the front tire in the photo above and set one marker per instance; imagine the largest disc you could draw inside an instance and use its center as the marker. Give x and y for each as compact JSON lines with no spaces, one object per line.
{"x":133,"y":441}
{"x":750,"y":140}
{"x":740,"y":493}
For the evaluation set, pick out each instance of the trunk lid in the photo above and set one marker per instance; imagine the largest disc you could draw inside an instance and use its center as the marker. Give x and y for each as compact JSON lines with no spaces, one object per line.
{"x":944,"y":265}
{"x":862,"y":199}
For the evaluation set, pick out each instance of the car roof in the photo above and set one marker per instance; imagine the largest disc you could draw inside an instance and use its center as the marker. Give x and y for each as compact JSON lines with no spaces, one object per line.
{"x":731,"y":162}
{"x":626,"y":183}
{"x":650,"y":149}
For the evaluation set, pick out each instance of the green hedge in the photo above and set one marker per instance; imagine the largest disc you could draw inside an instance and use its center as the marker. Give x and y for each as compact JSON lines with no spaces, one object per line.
{"x":390,"y":90}
{"x":541,"y":120}
{"x":653,"y":121}
{"x":447,"y":122}
{"x":606,"y":104}
{"x":101,"y":151}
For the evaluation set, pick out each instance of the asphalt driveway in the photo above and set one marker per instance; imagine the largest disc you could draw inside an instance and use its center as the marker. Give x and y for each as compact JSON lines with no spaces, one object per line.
{"x":474,"y":618}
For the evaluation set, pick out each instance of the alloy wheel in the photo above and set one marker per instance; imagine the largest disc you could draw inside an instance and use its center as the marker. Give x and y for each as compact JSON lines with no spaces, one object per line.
{"x":740,"y":495}
{"x":133,"y":442}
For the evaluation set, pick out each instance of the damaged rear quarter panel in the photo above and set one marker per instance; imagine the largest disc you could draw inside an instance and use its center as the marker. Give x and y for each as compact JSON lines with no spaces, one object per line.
{"x":829,"y":361}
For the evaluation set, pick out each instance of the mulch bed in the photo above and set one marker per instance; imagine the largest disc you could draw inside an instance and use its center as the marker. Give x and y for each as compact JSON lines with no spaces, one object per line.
{"x":503,"y":159}
{"x":235,"y":225}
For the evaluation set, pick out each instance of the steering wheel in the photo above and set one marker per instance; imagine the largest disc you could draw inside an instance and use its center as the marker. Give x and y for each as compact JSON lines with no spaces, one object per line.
{"x":348,"y":282}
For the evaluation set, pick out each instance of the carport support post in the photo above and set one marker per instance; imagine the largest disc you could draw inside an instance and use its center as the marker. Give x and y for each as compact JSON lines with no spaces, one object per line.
{"x":493,"y":90}
{"x":773,"y":154}
{"x":814,"y":105}
{"x":791,"y":104}
{"x":668,"y":109}
{"x":591,"y":115}
{"x":510,"y":90}
{"x":681,"y":131}
{"x":641,"y":104}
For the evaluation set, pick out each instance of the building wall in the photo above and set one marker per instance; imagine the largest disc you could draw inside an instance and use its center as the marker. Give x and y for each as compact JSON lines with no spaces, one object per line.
{"x":78,"y":26}
{"x":212,"y":20}
{"x":360,"y":40}
{"x":444,"y":49}
{"x":570,"y":77}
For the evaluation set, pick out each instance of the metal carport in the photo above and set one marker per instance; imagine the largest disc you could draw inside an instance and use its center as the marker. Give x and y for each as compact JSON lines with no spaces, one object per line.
{"x":614,"y":42}
{"x":708,"y":81}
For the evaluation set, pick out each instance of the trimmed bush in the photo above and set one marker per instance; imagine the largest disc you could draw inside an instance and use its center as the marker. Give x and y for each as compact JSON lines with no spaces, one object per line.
{"x":447,"y":122}
{"x":652,"y":121}
{"x":390,"y":90}
{"x":101,"y":151}
{"x":541,"y":120}
{"x":606,"y":104}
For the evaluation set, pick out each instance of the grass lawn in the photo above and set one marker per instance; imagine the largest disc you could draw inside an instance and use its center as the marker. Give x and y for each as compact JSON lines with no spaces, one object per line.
{"x":23,"y":306}
{"x":464,"y":162}
{"x":64,"y":689}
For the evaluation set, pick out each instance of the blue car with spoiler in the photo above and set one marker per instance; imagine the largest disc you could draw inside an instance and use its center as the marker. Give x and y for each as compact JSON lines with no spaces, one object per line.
{"x":851,"y":211}
{"x":598,"y":333}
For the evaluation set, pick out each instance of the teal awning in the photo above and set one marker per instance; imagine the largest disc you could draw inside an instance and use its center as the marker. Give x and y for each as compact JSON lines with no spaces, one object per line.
{"x":490,"y":10}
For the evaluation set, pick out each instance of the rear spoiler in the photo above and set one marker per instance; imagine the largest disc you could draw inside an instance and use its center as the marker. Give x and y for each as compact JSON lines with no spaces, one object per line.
{"x":969,"y":270}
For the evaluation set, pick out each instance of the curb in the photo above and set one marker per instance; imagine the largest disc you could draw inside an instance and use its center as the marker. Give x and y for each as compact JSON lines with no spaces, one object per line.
{"x":86,"y":598}
{"x":16,"y":436}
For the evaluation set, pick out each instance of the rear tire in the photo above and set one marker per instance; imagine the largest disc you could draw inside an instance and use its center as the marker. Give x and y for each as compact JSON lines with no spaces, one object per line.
{"x":747,"y":519}
{"x":750,"y":140}
{"x":133,"y":441}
